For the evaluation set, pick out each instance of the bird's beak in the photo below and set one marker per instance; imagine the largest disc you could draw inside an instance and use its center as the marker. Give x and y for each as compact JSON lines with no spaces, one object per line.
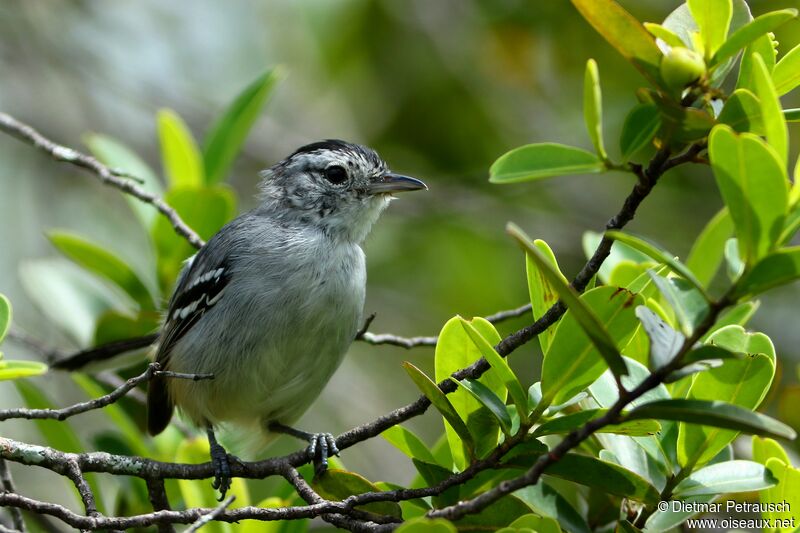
{"x":390,"y":183}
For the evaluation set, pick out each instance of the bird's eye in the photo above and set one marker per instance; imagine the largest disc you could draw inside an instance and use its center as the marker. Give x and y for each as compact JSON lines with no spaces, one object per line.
{"x":336,"y":174}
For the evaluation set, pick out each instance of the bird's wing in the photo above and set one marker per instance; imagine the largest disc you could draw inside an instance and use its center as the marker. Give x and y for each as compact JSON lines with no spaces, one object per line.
{"x":199,"y":287}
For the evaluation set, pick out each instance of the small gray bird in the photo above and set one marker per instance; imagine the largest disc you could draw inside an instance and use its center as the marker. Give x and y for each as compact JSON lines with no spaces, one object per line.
{"x":271,"y":303}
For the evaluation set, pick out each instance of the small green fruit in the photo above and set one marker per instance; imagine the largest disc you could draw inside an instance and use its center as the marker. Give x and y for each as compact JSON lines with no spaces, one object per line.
{"x":681,"y":66}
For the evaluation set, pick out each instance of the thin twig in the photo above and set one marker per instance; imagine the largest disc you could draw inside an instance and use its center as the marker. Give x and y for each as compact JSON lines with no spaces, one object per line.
{"x":8,"y":486}
{"x":206,"y":518}
{"x":97,"y":403}
{"x":109,"y":176}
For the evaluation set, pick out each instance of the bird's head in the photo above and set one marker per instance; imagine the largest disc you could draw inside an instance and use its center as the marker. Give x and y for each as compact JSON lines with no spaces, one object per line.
{"x":338,"y":186}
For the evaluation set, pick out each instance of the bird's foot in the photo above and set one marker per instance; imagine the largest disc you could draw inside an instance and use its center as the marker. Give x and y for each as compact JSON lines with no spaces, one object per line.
{"x":321,"y":446}
{"x":221,"y":460}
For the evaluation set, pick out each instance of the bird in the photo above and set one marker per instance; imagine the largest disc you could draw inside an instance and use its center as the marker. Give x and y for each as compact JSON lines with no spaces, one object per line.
{"x":271,"y":303}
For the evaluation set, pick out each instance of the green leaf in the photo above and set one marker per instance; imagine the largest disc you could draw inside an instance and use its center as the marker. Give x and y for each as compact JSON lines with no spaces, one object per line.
{"x":665,"y":342}
{"x":690,"y":306}
{"x":584,"y":316}
{"x":754,"y":186}
{"x":5,"y":317}
{"x":454,"y":351}
{"x":771,"y":111}
{"x":742,"y":112}
{"x":714,"y":414}
{"x":786,"y":75}
{"x":183,"y":165}
{"x":501,"y":368}
{"x":573,"y":361}
{"x":408,"y":443}
{"x":488,"y":399}
{"x":738,"y":315}
{"x":625,"y":33}
{"x":425,"y":525}
{"x":619,"y":252}
{"x":225,"y":138}
{"x":707,"y":251}
{"x":665,"y":34}
{"x":658,"y":255}
{"x":593,"y":108}
{"x":793,"y":219}
{"x":786,"y":491}
{"x":778,"y":268}
{"x":608,"y":477}
{"x":758,"y":27}
{"x":733,"y":260}
{"x":725,"y":478}
{"x":764,"y":48}
{"x":534,"y":522}
{"x":764,"y":449}
{"x":103,"y":263}
{"x":442,"y":404}
{"x":116,"y":155}
{"x":792,"y":115}
{"x":640,"y":127}
{"x":572,"y":421}
{"x":495,"y":516}
{"x":543,"y":160}
{"x":205,"y":210}
{"x":713,"y":18}
{"x":337,"y":485}
{"x":542,"y":294}
{"x":20,"y":369}
{"x":548,"y":502}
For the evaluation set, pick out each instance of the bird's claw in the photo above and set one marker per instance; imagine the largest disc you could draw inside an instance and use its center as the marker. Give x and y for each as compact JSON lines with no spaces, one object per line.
{"x":321,"y":446}
{"x":222,"y":470}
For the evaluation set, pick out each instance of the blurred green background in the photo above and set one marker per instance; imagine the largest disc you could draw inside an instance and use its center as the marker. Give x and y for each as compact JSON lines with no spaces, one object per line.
{"x":440,"y":89}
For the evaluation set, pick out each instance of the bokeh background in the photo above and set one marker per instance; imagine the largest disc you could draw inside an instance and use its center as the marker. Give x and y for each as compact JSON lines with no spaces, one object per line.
{"x":440,"y":89}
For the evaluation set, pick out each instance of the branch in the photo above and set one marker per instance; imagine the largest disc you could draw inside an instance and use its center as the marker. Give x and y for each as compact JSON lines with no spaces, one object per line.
{"x":8,"y":486}
{"x":97,"y":403}
{"x":109,"y":176}
{"x":206,"y":518}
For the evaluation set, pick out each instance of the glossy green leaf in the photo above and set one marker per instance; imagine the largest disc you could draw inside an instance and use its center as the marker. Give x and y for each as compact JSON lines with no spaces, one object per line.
{"x":665,"y":342}
{"x":640,"y":127}
{"x":689,"y":305}
{"x":336,"y":484}
{"x":456,"y":350}
{"x":786,"y":491}
{"x":778,"y":268}
{"x":757,"y":27}
{"x":738,"y":315}
{"x":227,"y":135}
{"x":619,"y":252}
{"x":425,"y":525}
{"x":10,"y":369}
{"x":572,"y":421}
{"x":546,"y":501}
{"x":754,"y":186}
{"x":440,"y":402}
{"x":5,"y":317}
{"x":742,"y":112}
{"x":763,"y":47}
{"x":495,"y":516}
{"x":501,"y":368}
{"x":488,"y":399}
{"x":713,"y":18}
{"x":583,"y":315}
{"x":409,"y":443}
{"x":205,"y":210}
{"x":733,"y":261}
{"x":542,"y":294}
{"x":625,"y":33}
{"x":764,"y":449}
{"x":658,"y":255}
{"x":713,"y":414}
{"x":740,"y":382}
{"x":116,"y":155}
{"x":771,"y":111}
{"x":707,"y":251}
{"x":182,"y":162}
{"x":674,"y":516}
{"x":725,"y":478}
{"x":573,"y":361}
{"x":532,"y":522}
{"x":605,"y":476}
{"x":543,"y":160}
{"x":792,"y":115}
{"x":593,"y":107}
{"x":792,"y":225}
{"x":665,"y":34}
{"x":786,"y":75}
{"x":103,"y":263}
